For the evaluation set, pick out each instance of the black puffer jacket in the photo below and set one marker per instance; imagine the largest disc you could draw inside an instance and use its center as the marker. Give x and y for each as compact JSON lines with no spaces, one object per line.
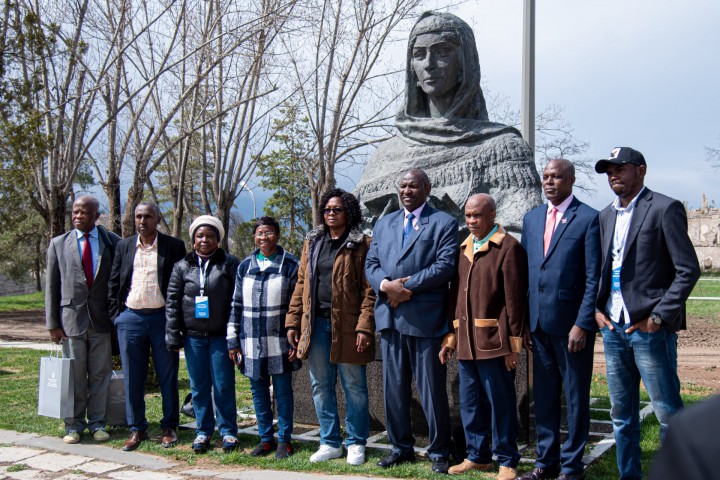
{"x":185,"y":286}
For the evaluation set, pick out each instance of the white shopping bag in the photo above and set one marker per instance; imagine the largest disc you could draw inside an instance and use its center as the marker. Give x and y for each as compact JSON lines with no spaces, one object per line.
{"x":56,"y":387}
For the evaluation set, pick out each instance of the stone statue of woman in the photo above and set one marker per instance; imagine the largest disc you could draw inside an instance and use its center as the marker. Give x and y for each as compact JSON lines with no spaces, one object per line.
{"x":444,"y":130}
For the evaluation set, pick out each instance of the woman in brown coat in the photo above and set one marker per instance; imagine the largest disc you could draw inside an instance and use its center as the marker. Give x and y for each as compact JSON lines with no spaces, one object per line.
{"x":331,"y":324}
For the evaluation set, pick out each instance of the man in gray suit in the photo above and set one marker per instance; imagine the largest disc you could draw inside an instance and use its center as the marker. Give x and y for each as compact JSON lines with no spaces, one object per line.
{"x":77,"y":313}
{"x":649,"y":267}
{"x":412,"y":259}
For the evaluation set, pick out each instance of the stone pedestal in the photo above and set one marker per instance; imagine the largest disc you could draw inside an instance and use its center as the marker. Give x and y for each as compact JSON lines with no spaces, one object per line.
{"x":305,"y":408}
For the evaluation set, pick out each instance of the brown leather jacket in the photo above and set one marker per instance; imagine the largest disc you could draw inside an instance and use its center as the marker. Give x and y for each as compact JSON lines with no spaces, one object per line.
{"x":488,"y":301}
{"x":353,"y":299}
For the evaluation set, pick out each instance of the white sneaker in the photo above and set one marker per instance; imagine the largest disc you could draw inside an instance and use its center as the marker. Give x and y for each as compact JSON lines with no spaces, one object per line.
{"x":325,"y":453}
{"x":356,"y":454}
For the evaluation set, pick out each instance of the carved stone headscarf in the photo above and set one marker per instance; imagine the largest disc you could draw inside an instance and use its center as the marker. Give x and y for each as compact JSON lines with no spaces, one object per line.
{"x":467,"y":119}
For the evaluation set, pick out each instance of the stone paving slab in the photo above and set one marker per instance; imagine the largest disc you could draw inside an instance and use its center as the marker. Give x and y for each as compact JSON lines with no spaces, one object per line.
{"x":9,"y":437}
{"x":29,"y":474}
{"x":15,"y":454}
{"x":55,"y":462}
{"x":133,"y":459}
{"x":134,"y":475}
{"x":99,"y":467}
{"x":73,"y":476}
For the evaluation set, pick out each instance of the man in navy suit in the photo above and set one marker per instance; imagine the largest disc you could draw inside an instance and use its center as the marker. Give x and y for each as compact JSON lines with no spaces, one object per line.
{"x":562,"y":241}
{"x":649,"y":267}
{"x":412,"y":259}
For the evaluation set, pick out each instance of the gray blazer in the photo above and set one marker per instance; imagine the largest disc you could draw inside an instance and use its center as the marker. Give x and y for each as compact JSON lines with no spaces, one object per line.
{"x":69,"y":303}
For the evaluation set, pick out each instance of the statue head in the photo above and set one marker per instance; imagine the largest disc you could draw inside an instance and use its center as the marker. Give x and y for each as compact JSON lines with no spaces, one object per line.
{"x":442,"y":60}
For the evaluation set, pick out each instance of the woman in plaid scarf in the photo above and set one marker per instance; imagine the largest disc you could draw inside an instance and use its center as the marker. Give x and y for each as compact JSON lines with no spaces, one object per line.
{"x":256,"y":335}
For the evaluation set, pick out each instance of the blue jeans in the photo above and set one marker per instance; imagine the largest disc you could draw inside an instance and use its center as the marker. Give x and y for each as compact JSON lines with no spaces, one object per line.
{"x":487,"y":409}
{"x":211,"y":370}
{"x":282,"y":389}
{"x":652,"y":358}
{"x":137,"y":333}
{"x":323,"y":377}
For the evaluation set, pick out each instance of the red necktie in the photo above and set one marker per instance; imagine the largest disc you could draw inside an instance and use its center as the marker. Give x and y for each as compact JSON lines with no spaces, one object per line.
{"x":549,"y":229}
{"x":87,"y":261}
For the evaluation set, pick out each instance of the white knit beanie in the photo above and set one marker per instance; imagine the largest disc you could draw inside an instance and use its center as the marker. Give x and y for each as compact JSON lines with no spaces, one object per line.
{"x":206,"y":220}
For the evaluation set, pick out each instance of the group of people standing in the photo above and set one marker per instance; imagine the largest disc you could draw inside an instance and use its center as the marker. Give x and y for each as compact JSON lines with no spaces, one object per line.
{"x":625,"y":272}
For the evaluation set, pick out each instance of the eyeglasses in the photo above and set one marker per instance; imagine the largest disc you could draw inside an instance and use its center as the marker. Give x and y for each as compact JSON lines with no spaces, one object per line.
{"x":335,"y":210}
{"x":265,"y":235}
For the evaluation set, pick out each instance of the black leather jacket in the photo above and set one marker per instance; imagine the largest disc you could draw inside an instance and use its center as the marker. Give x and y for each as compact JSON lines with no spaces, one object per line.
{"x":185,"y":286}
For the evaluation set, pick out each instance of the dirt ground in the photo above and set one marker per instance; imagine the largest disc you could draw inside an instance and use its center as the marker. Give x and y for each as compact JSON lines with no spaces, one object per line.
{"x":698,"y":346}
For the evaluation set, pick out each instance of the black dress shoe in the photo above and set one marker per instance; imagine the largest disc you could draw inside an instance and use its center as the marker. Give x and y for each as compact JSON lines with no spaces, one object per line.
{"x":571,"y":476}
{"x":440,"y":465}
{"x":396,"y":458}
{"x":541,"y":474}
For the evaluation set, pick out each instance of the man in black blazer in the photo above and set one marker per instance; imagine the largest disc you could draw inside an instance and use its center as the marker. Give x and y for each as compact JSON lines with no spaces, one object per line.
{"x":649,"y":268}
{"x":76,"y":313}
{"x":138,"y":287}
{"x":562,"y":240}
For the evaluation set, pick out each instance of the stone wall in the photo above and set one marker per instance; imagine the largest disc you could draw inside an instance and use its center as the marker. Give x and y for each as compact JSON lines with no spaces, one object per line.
{"x":704,"y":231}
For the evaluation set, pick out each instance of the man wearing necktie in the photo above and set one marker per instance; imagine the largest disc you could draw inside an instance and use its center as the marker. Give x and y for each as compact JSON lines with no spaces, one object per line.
{"x":648,"y":269}
{"x":77,"y":313}
{"x":412,"y":259}
{"x":562,"y":242}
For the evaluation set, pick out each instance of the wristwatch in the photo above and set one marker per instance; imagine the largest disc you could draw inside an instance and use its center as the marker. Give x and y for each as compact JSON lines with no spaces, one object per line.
{"x":656,"y":318}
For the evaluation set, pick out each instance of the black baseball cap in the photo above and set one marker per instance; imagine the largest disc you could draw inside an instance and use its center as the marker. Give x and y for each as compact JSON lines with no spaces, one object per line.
{"x":618,"y":156}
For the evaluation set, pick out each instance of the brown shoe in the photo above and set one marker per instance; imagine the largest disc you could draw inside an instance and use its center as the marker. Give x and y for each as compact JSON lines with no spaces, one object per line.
{"x":467,"y":466}
{"x":507,"y":473}
{"x":169,"y":437}
{"x":135,"y":439}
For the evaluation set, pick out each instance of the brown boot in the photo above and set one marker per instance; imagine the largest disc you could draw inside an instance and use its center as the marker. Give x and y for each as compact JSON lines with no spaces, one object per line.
{"x":467,"y":466}
{"x":507,"y":473}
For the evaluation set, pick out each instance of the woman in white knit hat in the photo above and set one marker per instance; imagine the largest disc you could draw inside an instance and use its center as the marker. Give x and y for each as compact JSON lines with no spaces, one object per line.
{"x":198,"y":308}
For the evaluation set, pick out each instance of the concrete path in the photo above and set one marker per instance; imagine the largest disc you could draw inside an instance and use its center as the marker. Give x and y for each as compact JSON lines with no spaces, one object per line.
{"x":25,"y":456}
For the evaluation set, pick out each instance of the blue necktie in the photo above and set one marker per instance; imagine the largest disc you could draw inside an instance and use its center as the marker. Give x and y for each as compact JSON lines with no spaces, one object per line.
{"x":408,"y":227}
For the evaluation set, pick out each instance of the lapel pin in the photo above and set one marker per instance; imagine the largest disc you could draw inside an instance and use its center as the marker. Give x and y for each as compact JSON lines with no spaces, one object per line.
{"x":563,"y":220}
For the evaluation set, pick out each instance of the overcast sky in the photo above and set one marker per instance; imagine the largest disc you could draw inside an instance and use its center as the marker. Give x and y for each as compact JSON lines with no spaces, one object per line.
{"x":640,"y":73}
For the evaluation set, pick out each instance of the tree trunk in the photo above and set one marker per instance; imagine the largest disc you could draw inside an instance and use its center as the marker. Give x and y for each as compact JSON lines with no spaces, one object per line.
{"x":112,"y":191}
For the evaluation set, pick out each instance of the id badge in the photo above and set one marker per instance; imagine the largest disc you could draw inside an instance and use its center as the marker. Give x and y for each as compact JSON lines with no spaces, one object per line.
{"x":616,"y":269}
{"x":202,"y":307}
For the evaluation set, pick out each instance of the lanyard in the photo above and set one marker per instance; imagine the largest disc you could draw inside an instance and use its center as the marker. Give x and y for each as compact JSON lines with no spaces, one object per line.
{"x":203,"y":271}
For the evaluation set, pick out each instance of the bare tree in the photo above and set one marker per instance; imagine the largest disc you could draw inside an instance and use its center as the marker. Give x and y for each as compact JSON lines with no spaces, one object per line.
{"x":554,"y":137}
{"x":713,"y":156}
{"x":341,"y":83}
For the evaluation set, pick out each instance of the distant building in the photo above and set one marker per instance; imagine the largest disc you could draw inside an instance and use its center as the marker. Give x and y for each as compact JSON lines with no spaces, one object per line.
{"x":704,"y":230}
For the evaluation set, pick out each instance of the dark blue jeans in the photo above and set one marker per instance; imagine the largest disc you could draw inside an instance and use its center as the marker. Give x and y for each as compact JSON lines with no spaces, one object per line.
{"x":282,"y":390}
{"x":487,"y":409}
{"x":137,"y":333}
{"x":652,"y":358}
{"x":211,"y":370}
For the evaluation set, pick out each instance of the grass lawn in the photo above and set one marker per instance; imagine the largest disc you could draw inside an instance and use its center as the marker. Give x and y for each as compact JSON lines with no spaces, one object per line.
{"x":30,"y":301}
{"x":19,"y":373}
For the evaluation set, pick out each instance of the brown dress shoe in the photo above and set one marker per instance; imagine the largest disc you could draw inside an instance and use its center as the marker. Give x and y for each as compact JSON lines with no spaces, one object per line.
{"x":467,"y":466}
{"x":507,"y":473}
{"x":135,"y":439}
{"x":169,"y":437}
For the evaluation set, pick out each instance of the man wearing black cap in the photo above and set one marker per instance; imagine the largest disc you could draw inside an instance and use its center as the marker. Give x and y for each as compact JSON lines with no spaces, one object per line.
{"x":649,"y":268}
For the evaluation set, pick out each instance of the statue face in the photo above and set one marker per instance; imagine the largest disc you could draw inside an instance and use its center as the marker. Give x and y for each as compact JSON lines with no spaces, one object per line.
{"x":436,"y":64}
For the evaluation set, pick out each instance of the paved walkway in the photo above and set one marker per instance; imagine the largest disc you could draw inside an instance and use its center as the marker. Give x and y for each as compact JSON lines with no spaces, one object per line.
{"x":25,"y":456}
